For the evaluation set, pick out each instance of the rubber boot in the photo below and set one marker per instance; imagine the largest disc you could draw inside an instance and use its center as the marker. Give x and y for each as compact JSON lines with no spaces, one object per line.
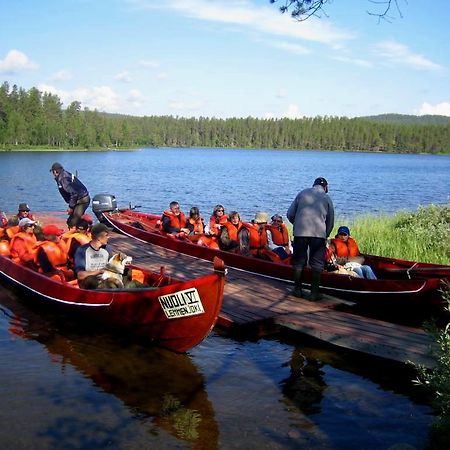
{"x":297,"y":291}
{"x":315,"y":282}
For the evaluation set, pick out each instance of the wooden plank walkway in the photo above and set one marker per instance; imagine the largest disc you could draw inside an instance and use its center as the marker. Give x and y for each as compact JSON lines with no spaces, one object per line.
{"x":264,"y":305}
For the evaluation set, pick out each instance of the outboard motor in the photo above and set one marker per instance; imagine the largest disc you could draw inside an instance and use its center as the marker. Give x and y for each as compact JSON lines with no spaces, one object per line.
{"x":103,"y":203}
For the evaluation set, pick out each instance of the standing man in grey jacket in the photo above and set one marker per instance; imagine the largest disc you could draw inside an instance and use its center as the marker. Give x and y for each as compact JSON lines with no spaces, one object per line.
{"x":312,"y":214}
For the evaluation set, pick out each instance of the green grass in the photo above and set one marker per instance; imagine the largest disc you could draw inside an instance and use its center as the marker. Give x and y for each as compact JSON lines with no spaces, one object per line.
{"x":420,"y":236}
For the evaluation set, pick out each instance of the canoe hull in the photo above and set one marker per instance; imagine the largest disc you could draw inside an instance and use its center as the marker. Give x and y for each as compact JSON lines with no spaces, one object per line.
{"x":175,"y":325}
{"x":393,"y":290}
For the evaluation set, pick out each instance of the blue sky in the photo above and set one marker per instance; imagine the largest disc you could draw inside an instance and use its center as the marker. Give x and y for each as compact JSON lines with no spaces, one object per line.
{"x":229,"y":58}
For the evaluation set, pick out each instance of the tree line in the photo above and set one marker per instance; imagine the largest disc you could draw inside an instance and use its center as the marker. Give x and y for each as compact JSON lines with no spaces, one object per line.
{"x":30,"y":119}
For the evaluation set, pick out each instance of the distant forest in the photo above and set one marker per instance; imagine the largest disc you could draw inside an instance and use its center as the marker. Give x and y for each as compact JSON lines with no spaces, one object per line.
{"x":33,"y":119}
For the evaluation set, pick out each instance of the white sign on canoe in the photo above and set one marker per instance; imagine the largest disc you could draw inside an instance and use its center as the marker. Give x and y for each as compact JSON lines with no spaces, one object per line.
{"x":181,"y":304}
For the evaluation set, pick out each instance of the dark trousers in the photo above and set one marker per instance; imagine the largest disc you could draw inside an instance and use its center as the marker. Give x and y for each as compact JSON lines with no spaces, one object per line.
{"x":309,"y":246}
{"x":79,"y":209}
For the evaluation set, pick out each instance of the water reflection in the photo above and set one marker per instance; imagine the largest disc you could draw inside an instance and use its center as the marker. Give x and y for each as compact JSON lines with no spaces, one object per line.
{"x":157,"y":386}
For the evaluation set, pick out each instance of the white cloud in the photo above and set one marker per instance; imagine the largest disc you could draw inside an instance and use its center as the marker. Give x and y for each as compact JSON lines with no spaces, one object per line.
{"x":61,"y":75}
{"x":289,"y":47}
{"x":292,"y":112}
{"x":441,"y":109}
{"x":148,"y":64}
{"x":355,"y":61}
{"x":16,"y":61}
{"x":183,"y":105}
{"x":135,"y":97}
{"x":401,"y":54}
{"x":123,"y":76}
{"x":265,"y":20}
{"x":102,"y":98}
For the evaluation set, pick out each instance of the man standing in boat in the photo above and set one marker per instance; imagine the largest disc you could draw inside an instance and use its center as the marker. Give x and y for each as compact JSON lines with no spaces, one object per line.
{"x":73,"y":191}
{"x":312,"y":215}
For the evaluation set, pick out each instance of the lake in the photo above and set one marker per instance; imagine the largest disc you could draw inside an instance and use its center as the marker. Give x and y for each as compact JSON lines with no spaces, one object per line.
{"x":62,"y":387}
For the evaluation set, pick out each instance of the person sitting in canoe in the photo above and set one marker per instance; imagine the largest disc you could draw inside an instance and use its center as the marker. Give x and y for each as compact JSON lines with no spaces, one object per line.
{"x":22,"y":245}
{"x":174,"y":221}
{"x":24,"y":212}
{"x":348,"y":255}
{"x":278,"y":237}
{"x":196,"y":227}
{"x":91,"y":259}
{"x":76,"y":237}
{"x":229,"y":239}
{"x":51,"y":253}
{"x":217,"y":220}
{"x":253,"y":239}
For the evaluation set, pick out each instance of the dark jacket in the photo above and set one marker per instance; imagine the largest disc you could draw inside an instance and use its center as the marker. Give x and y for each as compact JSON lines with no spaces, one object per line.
{"x":71,"y":188}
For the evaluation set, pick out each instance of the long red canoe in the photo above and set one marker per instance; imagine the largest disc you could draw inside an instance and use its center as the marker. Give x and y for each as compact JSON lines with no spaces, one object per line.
{"x":398,"y":281}
{"x":173,"y":314}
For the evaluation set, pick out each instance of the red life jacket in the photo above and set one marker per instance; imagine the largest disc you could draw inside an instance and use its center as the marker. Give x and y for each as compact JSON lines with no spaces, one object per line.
{"x":258,"y":237}
{"x":199,"y":226}
{"x":4,"y":248}
{"x":216,"y":223}
{"x":233,"y":230}
{"x":345,"y":249}
{"x":56,"y":252}
{"x":280,"y":234}
{"x":25,"y":244}
{"x":176,"y":221}
{"x":11,"y":231}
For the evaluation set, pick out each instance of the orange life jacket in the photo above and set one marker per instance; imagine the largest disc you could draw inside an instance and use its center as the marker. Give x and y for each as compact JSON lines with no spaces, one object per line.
{"x":216,"y":223}
{"x":258,"y":237}
{"x":56,"y":252}
{"x":11,"y":231}
{"x":176,"y":221}
{"x":199,"y":226}
{"x":233,"y":230}
{"x":4,"y":248}
{"x":81,"y":238}
{"x":2,"y":232}
{"x":280,"y":234}
{"x":345,"y":249}
{"x":23,"y":244}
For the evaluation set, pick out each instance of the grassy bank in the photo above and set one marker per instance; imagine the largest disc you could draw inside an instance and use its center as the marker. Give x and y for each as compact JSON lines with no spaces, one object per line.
{"x":420,"y":236}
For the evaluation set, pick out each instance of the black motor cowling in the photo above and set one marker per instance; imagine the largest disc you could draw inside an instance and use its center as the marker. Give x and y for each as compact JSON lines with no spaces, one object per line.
{"x":103,"y":203}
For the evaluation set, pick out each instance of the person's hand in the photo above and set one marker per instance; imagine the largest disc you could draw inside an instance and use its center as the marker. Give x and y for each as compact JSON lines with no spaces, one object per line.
{"x":69,"y":211}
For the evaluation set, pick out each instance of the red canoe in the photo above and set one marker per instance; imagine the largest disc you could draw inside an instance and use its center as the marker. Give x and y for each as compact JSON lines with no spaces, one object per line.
{"x":398,"y":281}
{"x":172,"y":314}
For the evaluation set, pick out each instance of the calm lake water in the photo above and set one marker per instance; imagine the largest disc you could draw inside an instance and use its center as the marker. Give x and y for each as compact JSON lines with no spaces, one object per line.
{"x":62,"y":387}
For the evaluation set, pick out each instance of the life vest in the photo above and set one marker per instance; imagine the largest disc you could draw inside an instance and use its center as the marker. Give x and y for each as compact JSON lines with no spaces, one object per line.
{"x":71,"y":236}
{"x":345,"y":249}
{"x":216,"y":223}
{"x":11,"y":231}
{"x":233,"y":230}
{"x":26,"y":241}
{"x":199,"y":226}
{"x":56,"y":252}
{"x":258,"y":237}
{"x":176,"y":221}
{"x":4,"y":248}
{"x":279,"y":236}
{"x":2,"y":232}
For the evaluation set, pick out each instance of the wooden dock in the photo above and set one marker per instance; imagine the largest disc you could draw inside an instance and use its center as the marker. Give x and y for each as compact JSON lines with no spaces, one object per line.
{"x":260,"y":305}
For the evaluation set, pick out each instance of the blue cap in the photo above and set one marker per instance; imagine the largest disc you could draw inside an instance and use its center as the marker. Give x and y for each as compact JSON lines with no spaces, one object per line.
{"x":343,"y":230}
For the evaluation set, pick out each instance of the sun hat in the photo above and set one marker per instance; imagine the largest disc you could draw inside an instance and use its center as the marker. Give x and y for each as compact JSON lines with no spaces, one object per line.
{"x":23,"y":207}
{"x":25,"y":222}
{"x":261,"y":217}
{"x":49,"y":230}
{"x":343,"y":230}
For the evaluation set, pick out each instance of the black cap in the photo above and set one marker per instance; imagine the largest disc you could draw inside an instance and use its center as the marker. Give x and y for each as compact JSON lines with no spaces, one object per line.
{"x":56,"y":166}
{"x":321,"y":181}
{"x":23,"y":207}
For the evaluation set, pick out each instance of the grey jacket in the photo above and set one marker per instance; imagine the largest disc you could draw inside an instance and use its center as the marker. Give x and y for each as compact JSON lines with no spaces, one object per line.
{"x":312,"y":213}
